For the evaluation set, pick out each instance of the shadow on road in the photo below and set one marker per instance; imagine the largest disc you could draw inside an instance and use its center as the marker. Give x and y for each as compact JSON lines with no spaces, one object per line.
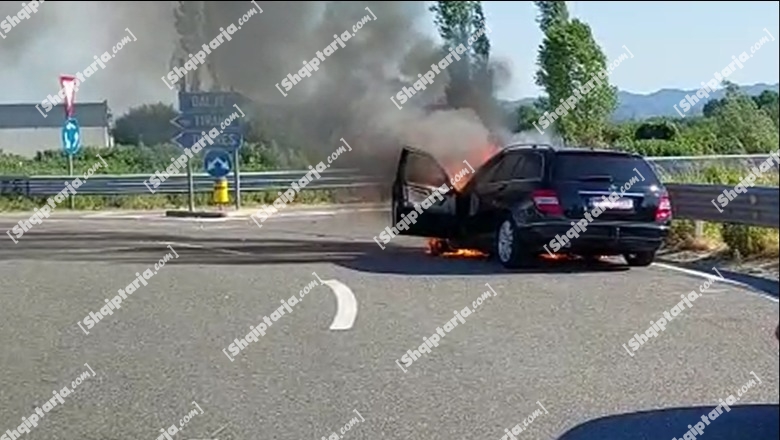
{"x":766,"y":285}
{"x":754,"y":422}
{"x":147,"y":248}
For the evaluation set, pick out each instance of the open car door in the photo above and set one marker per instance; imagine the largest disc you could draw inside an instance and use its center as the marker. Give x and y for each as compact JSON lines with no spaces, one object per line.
{"x":417,"y":178}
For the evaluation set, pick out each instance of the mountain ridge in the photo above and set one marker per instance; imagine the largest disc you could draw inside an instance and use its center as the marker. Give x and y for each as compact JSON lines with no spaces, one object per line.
{"x":639,"y":106}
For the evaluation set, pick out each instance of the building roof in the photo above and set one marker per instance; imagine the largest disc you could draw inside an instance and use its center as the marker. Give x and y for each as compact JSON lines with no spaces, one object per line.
{"x":88,"y":114}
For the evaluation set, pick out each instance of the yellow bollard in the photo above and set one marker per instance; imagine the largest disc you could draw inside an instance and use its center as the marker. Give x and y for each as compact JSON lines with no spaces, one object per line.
{"x":221,"y":196}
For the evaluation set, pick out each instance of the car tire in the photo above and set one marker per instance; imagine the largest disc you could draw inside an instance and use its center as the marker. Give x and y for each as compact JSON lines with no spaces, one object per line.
{"x":508,"y":247}
{"x":639,"y":259}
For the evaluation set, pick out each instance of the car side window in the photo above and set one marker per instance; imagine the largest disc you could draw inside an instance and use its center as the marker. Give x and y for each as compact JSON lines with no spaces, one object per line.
{"x":530,"y":167}
{"x":424,"y":170}
{"x":505,"y":168}
{"x":484,"y":175}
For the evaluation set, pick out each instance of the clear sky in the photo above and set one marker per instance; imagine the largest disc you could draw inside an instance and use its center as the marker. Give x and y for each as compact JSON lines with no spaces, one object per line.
{"x":675,"y":44}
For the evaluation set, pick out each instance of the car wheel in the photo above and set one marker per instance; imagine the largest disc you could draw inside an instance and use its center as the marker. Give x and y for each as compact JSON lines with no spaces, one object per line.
{"x":639,"y":259}
{"x":508,"y":247}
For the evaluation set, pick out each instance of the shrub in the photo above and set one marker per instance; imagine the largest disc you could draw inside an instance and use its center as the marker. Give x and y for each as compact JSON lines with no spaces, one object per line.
{"x":747,"y":241}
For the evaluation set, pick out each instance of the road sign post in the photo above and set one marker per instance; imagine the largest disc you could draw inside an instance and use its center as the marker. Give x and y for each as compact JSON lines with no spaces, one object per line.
{"x":236,"y":180}
{"x":203,"y":112}
{"x":71,"y":144}
{"x":71,"y":133}
{"x":190,"y":182}
{"x":190,"y":188}
{"x":72,"y":202}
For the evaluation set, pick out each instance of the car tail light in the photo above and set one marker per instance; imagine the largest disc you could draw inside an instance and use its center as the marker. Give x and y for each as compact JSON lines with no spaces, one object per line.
{"x":664,"y":210}
{"x":546,"y":201}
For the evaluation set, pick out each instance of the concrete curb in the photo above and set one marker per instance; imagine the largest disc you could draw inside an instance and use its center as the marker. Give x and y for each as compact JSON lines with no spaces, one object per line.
{"x":196,"y":214}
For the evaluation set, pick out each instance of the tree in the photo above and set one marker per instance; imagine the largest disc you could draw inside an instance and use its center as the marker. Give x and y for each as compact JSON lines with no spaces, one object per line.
{"x":190,"y":22}
{"x":711,"y":106}
{"x":767,"y":101}
{"x":471,"y":78}
{"x":571,"y":67}
{"x":741,"y":126}
{"x":148,"y":124}
{"x":663,"y":130}
{"x":525,"y":117}
{"x":551,"y":13}
{"x":766,"y":98}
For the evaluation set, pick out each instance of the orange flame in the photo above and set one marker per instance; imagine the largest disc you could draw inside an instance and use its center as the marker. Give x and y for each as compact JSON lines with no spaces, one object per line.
{"x":476,"y":159}
{"x":554,"y":257}
{"x":464,"y":253}
{"x":436,"y":246}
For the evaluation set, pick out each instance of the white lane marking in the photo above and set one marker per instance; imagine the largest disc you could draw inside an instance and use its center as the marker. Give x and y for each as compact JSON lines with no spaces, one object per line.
{"x":113,"y":216}
{"x":304,"y":214}
{"x":697,"y":273}
{"x":346,"y":304}
{"x":211,"y":436}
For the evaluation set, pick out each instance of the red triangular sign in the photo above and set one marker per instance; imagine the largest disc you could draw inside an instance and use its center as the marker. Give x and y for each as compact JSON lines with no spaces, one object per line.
{"x":68,"y":84}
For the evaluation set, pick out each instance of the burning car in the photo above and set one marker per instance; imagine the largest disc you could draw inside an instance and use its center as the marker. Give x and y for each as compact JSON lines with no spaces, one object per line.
{"x":525,"y":198}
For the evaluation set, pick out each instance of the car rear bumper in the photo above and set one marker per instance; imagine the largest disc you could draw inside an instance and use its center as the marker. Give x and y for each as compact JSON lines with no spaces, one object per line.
{"x":607,"y":237}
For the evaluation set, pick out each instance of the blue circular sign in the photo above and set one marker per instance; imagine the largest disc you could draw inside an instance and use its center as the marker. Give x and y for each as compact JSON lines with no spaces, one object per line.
{"x":217,"y":162}
{"x":71,"y":137}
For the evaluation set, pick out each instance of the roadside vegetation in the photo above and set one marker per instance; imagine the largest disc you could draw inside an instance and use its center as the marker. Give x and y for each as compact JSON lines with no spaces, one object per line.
{"x":735,"y":124}
{"x":567,"y":58}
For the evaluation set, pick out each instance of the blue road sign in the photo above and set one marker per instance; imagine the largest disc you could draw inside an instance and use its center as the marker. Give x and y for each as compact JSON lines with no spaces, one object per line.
{"x":208,"y":102}
{"x":204,"y":111}
{"x":71,"y":137}
{"x":205,"y":122}
{"x":228,"y":141}
{"x":217,"y":162}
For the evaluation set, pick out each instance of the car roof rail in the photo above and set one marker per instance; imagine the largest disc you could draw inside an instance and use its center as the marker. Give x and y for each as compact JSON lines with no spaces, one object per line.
{"x":532,"y":146}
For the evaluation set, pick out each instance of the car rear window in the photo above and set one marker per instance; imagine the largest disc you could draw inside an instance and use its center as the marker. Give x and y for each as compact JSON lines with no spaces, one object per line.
{"x":574,"y":166}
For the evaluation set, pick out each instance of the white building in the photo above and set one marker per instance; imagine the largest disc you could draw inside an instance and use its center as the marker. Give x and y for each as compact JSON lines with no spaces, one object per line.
{"x":25,"y":131}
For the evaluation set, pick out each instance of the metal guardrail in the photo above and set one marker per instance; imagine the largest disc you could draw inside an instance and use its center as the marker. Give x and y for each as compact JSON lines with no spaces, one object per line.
{"x":708,"y":158}
{"x":133,"y":184}
{"x":670,"y":168}
{"x":759,"y":206}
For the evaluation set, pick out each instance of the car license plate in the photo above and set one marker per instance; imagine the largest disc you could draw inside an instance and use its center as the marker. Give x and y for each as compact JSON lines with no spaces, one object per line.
{"x":620,"y":204}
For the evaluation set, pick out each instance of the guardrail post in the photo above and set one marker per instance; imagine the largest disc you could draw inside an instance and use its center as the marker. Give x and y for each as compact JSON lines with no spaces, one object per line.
{"x":698,"y":229}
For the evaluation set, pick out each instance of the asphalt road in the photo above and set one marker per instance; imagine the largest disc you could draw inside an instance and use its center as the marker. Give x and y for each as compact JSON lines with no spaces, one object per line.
{"x":552,"y":337}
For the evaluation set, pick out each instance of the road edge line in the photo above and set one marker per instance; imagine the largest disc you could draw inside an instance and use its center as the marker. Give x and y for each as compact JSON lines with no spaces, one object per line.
{"x":748,"y":287}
